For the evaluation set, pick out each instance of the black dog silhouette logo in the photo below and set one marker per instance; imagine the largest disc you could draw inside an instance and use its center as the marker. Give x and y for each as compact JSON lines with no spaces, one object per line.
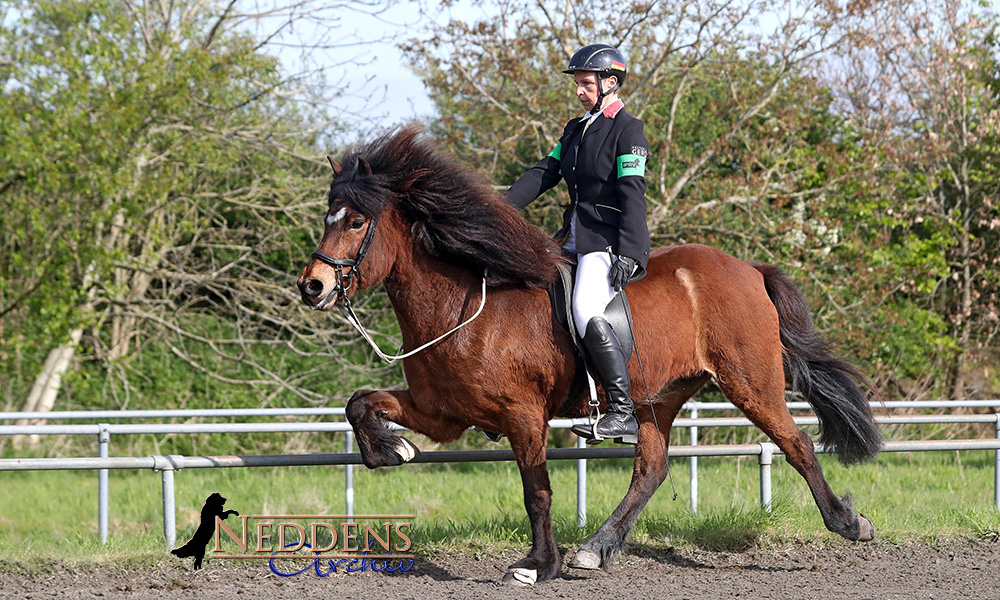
{"x":206,"y":529}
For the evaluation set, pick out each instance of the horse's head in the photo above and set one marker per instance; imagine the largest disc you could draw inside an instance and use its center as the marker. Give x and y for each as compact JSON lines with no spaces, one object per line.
{"x":353,"y":253}
{"x":398,"y":196}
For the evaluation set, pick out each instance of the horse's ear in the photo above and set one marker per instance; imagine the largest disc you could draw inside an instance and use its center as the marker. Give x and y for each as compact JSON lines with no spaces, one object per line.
{"x":363,"y":167}
{"x":337,"y":168}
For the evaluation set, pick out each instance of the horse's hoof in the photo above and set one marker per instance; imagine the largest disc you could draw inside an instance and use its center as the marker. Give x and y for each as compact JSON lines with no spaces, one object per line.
{"x":520,"y":577}
{"x":406,"y":450}
{"x":866,"y":531}
{"x":585,"y":560}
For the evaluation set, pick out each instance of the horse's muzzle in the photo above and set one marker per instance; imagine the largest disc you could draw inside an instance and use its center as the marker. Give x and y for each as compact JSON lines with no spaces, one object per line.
{"x":316,"y":295}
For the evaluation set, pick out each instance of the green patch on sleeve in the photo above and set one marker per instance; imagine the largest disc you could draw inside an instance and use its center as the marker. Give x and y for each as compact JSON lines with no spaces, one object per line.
{"x":557,"y":152}
{"x":631,"y":164}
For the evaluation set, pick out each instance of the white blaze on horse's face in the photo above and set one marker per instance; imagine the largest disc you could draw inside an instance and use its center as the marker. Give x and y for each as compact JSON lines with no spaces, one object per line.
{"x":331,"y":219}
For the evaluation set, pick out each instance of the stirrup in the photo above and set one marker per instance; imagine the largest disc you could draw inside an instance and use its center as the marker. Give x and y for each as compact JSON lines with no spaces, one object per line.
{"x":492,"y":436}
{"x":595,"y":438}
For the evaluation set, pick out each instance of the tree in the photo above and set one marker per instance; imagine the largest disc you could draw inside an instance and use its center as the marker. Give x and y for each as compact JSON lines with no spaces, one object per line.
{"x":160,"y":182}
{"x":777,"y":132}
{"x":920,"y":82}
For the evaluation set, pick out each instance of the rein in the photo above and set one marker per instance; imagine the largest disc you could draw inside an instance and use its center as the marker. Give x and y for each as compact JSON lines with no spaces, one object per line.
{"x":347,"y":309}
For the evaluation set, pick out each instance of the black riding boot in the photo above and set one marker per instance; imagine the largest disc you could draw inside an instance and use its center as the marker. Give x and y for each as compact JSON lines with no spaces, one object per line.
{"x":609,"y":362}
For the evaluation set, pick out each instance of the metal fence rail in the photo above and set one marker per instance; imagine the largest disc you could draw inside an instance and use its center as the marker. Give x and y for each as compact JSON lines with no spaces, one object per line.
{"x":694,"y":406}
{"x":167,"y":464}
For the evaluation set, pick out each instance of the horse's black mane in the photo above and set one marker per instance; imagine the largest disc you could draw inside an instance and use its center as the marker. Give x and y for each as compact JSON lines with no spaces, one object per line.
{"x":453,"y":214}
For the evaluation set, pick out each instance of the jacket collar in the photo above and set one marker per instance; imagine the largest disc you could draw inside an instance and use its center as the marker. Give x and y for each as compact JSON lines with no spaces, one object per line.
{"x":610,"y":111}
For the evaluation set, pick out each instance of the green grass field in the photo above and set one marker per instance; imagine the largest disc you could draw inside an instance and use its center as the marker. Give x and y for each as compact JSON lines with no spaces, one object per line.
{"x":48,"y":517}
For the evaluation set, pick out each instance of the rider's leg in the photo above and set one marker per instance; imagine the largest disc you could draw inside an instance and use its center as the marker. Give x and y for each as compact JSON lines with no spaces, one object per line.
{"x":592,"y":290}
{"x":591,"y":295}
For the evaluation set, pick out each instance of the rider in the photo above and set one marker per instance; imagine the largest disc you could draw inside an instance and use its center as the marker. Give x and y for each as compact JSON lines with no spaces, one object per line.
{"x":602,"y":157}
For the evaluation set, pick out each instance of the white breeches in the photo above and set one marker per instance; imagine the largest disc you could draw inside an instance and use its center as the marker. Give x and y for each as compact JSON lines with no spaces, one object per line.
{"x":592,"y":291}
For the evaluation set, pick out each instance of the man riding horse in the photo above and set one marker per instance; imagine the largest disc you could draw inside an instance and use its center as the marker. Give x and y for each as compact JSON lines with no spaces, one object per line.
{"x":602,"y":157}
{"x":441,"y":242}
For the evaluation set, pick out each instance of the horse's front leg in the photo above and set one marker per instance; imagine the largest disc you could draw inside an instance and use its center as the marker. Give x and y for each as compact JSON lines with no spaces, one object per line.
{"x":379,"y":446}
{"x":543,"y":562}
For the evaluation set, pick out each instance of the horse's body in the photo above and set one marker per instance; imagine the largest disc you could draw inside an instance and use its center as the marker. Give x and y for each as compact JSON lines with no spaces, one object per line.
{"x":698,"y":314}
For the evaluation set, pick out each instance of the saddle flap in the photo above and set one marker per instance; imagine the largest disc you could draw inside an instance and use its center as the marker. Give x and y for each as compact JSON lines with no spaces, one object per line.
{"x":561,"y":296}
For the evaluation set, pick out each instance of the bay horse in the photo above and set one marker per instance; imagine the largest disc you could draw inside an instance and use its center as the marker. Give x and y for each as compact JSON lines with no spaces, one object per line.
{"x":409,"y":217}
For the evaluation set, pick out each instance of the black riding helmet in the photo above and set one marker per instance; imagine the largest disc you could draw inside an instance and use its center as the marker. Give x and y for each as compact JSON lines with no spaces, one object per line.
{"x":602,"y":59}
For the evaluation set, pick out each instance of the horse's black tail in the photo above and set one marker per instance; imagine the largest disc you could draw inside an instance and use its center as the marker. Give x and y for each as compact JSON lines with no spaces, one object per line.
{"x":832,"y":386}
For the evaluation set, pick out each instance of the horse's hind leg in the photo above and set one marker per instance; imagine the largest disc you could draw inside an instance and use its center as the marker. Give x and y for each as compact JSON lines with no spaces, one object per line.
{"x":648,"y":472}
{"x":758,"y":391}
{"x":379,"y":446}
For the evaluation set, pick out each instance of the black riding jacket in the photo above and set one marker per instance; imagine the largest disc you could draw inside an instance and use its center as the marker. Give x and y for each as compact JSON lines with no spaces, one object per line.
{"x":604,"y":168}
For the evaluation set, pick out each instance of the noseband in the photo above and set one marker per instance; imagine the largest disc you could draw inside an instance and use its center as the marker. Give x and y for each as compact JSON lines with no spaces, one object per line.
{"x":344,"y":281}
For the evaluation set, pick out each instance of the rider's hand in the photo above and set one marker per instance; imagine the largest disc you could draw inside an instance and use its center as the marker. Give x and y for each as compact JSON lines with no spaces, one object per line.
{"x":621,"y":271}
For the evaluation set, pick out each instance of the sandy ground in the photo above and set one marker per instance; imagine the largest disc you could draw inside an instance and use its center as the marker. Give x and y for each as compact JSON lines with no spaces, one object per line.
{"x":876,"y":571}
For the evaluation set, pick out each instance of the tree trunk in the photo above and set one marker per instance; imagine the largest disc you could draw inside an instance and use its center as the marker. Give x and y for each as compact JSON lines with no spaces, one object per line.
{"x":46,"y":388}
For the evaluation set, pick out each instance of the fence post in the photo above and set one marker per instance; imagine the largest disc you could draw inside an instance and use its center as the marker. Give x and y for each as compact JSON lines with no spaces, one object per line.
{"x":694,"y":463}
{"x":996,"y":467}
{"x":103,"y":439}
{"x":581,"y":486}
{"x":764,"y":460}
{"x":349,"y":479}
{"x":167,"y":465}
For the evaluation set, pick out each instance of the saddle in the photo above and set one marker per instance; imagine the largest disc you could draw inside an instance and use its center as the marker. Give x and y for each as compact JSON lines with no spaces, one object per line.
{"x":618,"y":313}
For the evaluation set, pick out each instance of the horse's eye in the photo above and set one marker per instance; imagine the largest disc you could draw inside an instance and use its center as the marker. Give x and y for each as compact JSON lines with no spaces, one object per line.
{"x":357,"y":223}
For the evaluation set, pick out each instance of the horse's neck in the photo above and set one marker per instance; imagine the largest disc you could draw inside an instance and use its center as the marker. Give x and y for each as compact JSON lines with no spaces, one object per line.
{"x":430,"y":296}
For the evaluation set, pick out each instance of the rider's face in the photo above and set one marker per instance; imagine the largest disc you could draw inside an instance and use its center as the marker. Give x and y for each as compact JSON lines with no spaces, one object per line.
{"x":586,"y":87}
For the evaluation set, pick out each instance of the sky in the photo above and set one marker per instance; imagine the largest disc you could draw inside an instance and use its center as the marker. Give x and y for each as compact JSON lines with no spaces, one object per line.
{"x":380,"y":89}
{"x":392,"y":94}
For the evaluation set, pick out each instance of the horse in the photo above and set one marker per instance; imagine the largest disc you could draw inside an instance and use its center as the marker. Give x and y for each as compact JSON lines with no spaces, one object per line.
{"x":443,"y":243}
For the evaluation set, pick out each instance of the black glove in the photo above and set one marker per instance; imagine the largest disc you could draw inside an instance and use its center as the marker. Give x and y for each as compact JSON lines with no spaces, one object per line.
{"x":621,"y":271}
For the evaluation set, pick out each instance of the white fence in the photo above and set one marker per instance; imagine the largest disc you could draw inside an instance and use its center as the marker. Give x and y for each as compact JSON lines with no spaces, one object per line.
{"x":168,"y":464}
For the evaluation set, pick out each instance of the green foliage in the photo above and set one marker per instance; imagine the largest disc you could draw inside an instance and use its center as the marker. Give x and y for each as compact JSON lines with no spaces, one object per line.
{"x":157,"y":193}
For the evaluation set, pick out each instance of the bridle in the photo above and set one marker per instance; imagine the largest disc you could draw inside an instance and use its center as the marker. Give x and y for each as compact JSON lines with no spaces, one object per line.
{"x":344,"y":281}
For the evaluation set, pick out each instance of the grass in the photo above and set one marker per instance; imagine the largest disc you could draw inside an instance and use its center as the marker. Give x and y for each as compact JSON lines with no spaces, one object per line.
{"x":50,"y":518}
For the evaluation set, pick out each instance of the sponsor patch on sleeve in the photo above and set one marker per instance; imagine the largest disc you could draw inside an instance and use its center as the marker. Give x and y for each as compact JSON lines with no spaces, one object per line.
{"x":640,"y":151}
{"x":631,"y":164}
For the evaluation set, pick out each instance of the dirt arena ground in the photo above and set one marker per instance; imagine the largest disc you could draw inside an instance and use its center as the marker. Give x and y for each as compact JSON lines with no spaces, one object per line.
{"x":878,"y":571}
